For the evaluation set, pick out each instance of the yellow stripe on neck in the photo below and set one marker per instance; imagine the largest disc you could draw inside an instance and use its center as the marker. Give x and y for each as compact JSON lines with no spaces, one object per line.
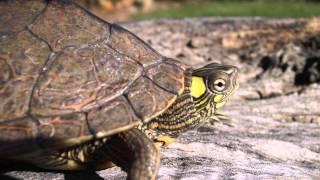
{"x":198,"y":87}
{"x":218,"y":98}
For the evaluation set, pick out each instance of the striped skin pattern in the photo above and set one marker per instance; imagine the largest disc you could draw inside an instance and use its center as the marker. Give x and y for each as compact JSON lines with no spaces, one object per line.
{"x":179,"y":117}
{"x":189,"y":112}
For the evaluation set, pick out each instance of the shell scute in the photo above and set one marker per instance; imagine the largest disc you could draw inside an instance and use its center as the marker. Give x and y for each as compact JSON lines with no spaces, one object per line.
{"x":149,"y":100}
{"x":76,"y":83}
{"x":168,"y":76}
{"x":13,"y":21}
{"x":21,"y":57}
{"x":112,"y":117}
{"x":16,"y":136}
{"x":130,"y":45}
{"x":65,"y":24}
{"x":18,"y":129}
{"x":63,"y":127}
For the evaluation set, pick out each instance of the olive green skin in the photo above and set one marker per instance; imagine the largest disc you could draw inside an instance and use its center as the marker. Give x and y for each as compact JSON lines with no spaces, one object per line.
{"x":67,"y":76}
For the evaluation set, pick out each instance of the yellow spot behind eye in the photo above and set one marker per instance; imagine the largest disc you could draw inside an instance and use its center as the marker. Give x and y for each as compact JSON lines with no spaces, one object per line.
{"x":198,"y":86}
{"x":218,"y":98}
{"x":219,"y":105}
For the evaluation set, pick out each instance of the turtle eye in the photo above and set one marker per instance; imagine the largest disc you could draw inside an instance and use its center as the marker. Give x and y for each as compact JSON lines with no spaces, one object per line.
{"x":219,"y":84}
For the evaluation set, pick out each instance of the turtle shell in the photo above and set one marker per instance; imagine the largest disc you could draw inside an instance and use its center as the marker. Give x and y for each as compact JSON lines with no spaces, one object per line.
{"x":67,"y":75}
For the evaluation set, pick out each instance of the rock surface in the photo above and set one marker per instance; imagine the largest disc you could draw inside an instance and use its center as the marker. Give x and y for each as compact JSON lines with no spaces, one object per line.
{"x":276,"y":116}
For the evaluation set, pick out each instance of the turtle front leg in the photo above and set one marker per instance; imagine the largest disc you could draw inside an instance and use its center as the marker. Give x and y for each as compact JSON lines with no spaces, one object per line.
{"x":135,"y":153}
{"x":132,"y":150}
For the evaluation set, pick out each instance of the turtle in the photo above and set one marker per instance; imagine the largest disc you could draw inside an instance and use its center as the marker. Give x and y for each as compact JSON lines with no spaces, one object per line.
{"x":80,"y":93}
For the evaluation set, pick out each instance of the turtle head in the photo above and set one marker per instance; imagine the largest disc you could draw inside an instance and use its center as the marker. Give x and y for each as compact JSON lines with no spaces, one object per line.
{"x":213,"y":84}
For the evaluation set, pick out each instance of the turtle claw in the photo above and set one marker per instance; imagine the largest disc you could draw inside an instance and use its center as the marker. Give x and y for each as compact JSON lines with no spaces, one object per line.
{"x":164,"y":140}
{"x":220,"y":118}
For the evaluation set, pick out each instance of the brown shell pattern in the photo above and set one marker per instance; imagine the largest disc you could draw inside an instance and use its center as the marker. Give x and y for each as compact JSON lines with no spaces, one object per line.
{"x":64,"y":73}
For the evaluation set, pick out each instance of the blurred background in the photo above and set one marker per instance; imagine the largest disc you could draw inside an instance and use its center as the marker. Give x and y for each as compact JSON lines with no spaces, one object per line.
{"x":123,"y":10}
